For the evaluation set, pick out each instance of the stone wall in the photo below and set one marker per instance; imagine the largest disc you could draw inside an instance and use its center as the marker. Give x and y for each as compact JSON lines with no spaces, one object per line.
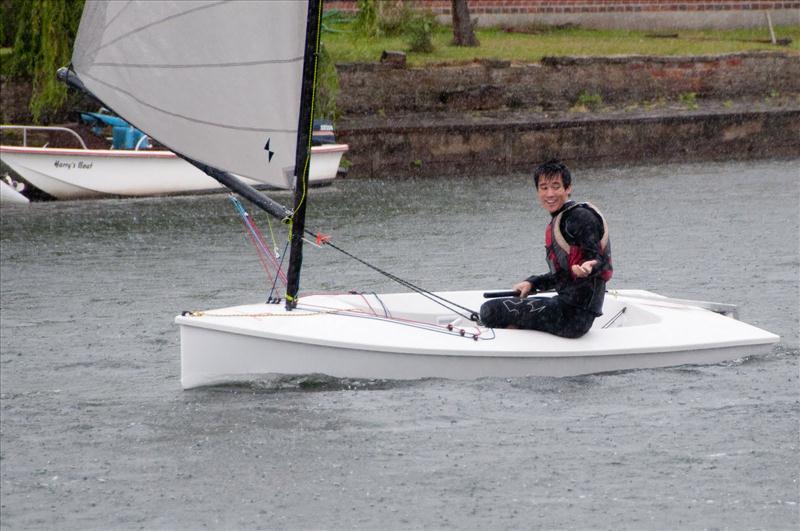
{"x":557,"y":82}
{"x":428,"y":147}
{"x":493,"y":116}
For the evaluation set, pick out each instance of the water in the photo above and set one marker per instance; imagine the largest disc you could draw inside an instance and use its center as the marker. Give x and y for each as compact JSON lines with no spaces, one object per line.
{"x":97,"y":434}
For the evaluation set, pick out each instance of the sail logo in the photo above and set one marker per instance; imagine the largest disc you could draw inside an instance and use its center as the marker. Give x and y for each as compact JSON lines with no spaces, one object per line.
{"x":81,"y":165}
{"x":270,"y":153}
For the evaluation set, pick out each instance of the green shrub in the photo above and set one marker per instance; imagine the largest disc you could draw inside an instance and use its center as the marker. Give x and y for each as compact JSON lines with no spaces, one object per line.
{"x":395,"y":19}
{"x":689,"y":99}
{"x":366,"y":21}
{"x":43,"y":43}
{"x":327,"y":87}
{"x":419,"y":32}
{"x":588,"y":101}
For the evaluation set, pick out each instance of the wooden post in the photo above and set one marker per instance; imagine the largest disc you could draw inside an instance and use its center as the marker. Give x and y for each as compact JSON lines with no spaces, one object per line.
{"x":771,"y":31}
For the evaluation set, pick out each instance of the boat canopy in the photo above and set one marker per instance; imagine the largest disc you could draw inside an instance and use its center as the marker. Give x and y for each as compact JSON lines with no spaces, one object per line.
{"x":123,"y":134}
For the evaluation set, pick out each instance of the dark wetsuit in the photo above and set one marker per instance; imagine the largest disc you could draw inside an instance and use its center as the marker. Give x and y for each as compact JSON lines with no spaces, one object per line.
{"x":579,"y":300}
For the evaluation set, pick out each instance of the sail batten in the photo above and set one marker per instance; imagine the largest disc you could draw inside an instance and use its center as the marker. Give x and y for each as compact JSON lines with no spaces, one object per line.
{"x":218,"y":82}
{"x":157,"y":22}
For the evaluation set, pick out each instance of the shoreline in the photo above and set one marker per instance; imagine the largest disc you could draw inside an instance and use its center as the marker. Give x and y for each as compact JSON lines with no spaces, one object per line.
{"x":427,"y":145}
{"x":491,"y":117}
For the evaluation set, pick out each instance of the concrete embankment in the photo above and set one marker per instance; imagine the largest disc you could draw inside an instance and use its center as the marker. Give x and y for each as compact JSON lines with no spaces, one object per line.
{"x":494,"y":116}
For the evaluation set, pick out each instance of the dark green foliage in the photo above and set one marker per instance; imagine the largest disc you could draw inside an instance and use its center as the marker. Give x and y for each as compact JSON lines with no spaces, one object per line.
{"x":327,"y":84}
{"x":8,"y":23}
{"x":419,"y":32}
{"x":43,"y":41}
{"x":366,"y":21}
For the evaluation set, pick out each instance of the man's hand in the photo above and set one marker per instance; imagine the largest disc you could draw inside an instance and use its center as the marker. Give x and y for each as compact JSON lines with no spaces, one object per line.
{"x":583,"y":270}
{"x":524,"y":288}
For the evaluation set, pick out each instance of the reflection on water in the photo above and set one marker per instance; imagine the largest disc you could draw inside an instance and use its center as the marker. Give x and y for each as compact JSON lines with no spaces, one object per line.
{"x":97,"y":433}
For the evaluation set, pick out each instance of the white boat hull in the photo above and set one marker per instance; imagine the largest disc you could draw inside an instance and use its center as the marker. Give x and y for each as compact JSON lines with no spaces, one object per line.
{"x":90,"y":173}
{"x":339,"y":336}
{"x":10,"y":196}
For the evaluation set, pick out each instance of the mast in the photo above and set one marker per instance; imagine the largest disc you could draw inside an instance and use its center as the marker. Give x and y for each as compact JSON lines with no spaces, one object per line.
{"x":302,"y":159}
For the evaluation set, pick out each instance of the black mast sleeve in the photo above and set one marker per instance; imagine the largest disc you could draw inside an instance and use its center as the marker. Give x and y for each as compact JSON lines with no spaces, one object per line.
{"x":304,"y":132}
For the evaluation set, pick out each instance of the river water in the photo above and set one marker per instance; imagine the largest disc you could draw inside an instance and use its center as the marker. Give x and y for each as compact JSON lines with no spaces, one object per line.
{"x":96,"y":432}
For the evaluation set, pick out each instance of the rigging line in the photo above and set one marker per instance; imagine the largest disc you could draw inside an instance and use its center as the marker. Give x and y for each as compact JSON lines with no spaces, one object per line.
{"x":265,"y":249}
{"x":310,"y":125}
{"x":264,"y":254}
{"x":305,"y":128}
{"x":438,"y":299}
{"x":280,"y":268}
{"x":430,"y":327}
{"x":261,"y":259}
{"x":307,"y":158}
{"x":264,"y":263}
{"x":258,"y":238}
{"x":386,"y":312}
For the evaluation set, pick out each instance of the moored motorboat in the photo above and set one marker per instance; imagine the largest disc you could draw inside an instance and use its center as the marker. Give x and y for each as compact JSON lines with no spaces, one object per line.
{"x":81,"y":173}
{"x":407,"y":336}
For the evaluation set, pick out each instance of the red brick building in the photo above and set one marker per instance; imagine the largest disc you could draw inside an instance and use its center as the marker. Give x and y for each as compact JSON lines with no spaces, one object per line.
{"x":634,"y":14}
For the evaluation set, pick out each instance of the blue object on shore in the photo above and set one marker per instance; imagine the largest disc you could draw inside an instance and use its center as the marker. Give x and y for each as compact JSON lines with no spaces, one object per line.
{"x":123,"y":135}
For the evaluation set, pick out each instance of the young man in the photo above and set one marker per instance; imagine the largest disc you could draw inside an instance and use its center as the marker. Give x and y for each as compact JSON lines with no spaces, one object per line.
{"x":579,"y":256}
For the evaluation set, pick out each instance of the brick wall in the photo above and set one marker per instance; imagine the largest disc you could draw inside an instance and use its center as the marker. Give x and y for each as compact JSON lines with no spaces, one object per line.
{"x":477,"y":7}
{"x":645,"y":14}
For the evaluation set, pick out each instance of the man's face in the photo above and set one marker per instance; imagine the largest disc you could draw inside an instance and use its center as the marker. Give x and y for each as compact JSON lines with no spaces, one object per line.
{"x":552,"y":194}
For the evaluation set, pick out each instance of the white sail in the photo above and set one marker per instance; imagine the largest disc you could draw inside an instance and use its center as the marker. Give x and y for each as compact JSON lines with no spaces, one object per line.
{"x":219,"y":82}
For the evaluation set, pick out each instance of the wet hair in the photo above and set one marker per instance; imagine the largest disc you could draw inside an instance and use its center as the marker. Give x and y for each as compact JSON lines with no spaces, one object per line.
{"x":553,"y":168}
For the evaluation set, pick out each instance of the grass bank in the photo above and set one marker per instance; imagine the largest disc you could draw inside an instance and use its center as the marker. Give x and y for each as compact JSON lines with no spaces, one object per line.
{"x":346,"y":46}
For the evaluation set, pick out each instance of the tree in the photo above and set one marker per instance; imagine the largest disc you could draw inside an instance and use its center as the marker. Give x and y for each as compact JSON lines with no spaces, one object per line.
{"x":43,"y":41}
{"x":463,"y":35}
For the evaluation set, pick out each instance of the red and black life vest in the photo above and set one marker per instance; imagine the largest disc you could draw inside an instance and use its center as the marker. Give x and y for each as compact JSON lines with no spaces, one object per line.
{"x":561,"y":256}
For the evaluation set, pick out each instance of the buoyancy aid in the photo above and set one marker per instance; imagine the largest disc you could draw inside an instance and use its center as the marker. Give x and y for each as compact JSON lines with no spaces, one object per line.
{"x":561,"y":256}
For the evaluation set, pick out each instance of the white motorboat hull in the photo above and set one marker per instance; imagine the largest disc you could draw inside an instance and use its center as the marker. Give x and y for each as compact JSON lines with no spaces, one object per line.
{"x":340,"y":336}
{"x":89,"y":173}
{"x":10,"y":196}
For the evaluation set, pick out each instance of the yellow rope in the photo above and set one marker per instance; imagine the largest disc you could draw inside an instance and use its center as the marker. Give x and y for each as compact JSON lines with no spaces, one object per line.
{"x":307,"y":158}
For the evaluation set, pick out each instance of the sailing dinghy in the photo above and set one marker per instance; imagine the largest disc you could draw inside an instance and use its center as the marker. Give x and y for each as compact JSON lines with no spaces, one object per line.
{"x":229,"y":87}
